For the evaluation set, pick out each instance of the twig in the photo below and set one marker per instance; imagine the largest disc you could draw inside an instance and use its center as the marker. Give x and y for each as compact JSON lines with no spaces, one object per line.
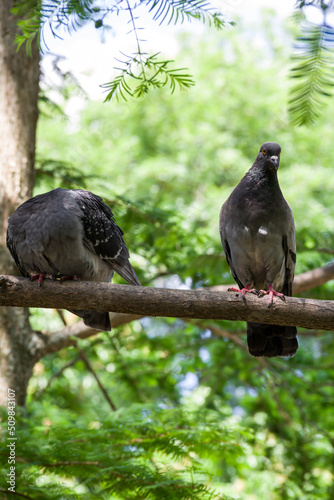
{"x":62,"y":317}
{"x":91,"y":369}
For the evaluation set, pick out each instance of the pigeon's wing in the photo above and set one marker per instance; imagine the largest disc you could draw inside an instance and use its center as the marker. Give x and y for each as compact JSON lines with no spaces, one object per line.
{"x":103,"y":236}
{"x":275,"y":340}
{"x":224,"y":214}
{"x":12,"y":248}
{"x":228,"y":256}
{"x":289,"y":247}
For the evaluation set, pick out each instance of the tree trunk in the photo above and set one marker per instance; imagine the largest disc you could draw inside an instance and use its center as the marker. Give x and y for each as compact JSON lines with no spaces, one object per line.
{"x":19,"y":86}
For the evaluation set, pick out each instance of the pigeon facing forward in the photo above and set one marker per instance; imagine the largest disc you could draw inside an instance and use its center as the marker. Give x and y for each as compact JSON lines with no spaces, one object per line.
{"x":258,"y":236}
{"x":69,"y":234}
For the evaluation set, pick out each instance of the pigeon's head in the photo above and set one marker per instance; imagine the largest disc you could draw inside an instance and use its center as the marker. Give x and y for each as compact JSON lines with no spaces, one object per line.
{"x":269,"y":155}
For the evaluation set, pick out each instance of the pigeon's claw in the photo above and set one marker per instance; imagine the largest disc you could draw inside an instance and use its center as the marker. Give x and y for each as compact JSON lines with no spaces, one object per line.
{"x":271,"y":292}
{"x":41,"y":277}
{"x":64,"y":278}
{"x":244,"y":290}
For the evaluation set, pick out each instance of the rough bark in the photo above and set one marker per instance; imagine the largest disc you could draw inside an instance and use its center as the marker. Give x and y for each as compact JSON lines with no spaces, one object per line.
{"x":19,"y":86}
{"x":200,"y":304}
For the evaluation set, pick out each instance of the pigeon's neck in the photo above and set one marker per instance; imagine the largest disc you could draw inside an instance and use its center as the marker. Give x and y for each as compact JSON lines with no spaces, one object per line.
{"x":259,"y":189}
{"x":262,"y":179}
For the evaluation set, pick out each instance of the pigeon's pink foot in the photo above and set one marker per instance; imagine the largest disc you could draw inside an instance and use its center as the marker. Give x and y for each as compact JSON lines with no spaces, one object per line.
{"x":41,"y":277}
{"x":271,"y":292}
{"x":244,"y":290}
{"x":64,"y":278}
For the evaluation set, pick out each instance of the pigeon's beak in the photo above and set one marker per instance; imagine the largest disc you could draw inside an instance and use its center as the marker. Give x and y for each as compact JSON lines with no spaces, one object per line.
{"x":274,"y":160}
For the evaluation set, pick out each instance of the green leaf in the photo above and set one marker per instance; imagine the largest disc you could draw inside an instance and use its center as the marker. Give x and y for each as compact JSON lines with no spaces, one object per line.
{"x":140,"y":73}
{"x":313,"y":67}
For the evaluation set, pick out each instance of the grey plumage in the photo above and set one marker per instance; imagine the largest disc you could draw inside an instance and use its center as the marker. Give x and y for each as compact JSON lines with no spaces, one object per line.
{"x":70,"y":233}
{"x":258,"y":236}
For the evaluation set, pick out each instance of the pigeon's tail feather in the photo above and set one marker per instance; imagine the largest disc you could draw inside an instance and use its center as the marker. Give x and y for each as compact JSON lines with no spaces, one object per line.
{"x":271,"y":340}
{"x":127,"y":272}
{"x":95,"y":319}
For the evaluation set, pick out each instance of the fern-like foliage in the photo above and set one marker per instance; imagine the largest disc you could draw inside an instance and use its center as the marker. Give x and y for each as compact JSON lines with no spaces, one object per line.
{"x":140,"y":453}
{"x":35,"y":14}
{"x":140,"y":73}
{"x":174,"y":11}
{"x":313,"y":65}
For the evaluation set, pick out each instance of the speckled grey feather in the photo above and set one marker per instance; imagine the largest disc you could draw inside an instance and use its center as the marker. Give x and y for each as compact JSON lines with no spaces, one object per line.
{"x":258,"y":236}
{"x":70,"y":232}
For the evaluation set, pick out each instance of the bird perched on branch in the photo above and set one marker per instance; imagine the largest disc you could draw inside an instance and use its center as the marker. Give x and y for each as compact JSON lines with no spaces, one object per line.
{"x":69,"y":234}
{"x":258,"y":236}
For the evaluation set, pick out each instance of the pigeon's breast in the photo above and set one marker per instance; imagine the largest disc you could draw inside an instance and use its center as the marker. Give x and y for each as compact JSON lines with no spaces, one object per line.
{"x":257,"y":255}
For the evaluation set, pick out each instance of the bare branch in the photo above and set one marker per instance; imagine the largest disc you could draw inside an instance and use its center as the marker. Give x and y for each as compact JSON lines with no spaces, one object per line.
{"x":145,"y":301}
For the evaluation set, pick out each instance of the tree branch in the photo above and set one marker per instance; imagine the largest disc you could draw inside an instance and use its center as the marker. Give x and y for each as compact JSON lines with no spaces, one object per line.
{"x":145,"y":301}
{"x":54,"y":341}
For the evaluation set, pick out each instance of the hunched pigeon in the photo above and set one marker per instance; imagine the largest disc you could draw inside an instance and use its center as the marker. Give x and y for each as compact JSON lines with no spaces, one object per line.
{"x":69,"y":234}
{"x":258,"y":236}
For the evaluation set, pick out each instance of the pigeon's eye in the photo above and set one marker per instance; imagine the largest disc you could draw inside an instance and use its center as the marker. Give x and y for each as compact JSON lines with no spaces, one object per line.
{"x":264,"y":151}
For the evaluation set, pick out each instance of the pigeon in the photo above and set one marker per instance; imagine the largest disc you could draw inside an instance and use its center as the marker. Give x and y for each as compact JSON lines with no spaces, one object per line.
{"x":69,"y":234}
{"x":258,"y":236}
